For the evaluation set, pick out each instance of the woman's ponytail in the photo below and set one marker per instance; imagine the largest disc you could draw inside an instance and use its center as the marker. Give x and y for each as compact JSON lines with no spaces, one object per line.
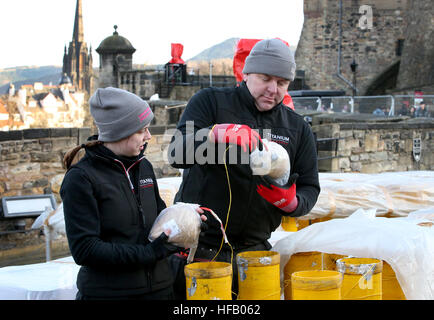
{"x":73,"y":155}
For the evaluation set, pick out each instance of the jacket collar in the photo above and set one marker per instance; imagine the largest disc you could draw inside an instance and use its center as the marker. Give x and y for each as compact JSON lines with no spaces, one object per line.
{"x":103,"y":152}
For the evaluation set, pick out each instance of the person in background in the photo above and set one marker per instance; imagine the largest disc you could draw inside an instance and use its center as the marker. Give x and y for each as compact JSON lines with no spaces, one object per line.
{"x":110,"y":200}
{"x":404,"y":109}
{"x":239,"y":118}
{"x":412,"y":112}
{"x":422,"y":111}
{"x":378,"y":112}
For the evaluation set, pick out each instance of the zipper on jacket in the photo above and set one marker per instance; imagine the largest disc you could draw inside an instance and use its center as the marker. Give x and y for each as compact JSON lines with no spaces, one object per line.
{"x":127,"y":171}
{"x":127,"y":174}
{"x":149,"y":279}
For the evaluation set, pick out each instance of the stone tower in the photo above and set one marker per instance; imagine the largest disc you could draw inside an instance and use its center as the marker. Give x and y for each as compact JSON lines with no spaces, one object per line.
{"x":115,"y":55}
{"x":77,"y":60}
{"x":336,"y":32}
{"x":416,"y":71}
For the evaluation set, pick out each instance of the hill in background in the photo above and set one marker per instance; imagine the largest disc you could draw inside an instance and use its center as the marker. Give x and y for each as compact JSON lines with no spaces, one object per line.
{"x":222,"y":50}
{"x":225,"y":49}
{"x":28,"y":75}
{"x":220,"y":55}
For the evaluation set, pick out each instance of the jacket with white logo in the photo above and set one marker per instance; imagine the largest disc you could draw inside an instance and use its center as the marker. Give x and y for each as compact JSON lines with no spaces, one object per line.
{"x":251,"y":218}
{"x":109,"y":207}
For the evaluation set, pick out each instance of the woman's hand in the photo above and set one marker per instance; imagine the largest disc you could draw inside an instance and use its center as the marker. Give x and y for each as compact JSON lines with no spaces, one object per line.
{"x":200,"y":211}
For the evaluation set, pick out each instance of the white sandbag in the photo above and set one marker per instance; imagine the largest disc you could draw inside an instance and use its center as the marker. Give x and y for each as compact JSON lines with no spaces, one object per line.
{"x":273,"y":162}
{"x":182,"y":220}
{"x":184,"y":223}
{"x":406,"y":244}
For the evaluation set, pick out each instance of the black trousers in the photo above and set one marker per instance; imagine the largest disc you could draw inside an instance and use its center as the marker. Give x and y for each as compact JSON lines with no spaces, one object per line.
{"x":163,"y":294}
{"x":204,"y":253}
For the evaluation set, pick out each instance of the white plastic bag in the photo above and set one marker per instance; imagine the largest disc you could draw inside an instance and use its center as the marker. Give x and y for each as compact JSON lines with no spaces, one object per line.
{"x":53,"y":221}
{"x":273,"y":162}
{"x":182,"y":220}
{"x":184,"y":223}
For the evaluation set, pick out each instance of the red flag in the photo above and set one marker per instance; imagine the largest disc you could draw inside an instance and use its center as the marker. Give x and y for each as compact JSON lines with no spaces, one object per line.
{"x":177,"y":49}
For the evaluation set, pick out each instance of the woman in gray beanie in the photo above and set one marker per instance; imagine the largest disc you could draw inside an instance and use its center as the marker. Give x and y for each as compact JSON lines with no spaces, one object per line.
{"x":110,"y":200}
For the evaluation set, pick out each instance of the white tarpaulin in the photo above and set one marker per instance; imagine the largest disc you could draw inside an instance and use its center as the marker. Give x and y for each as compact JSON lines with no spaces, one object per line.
{"x":407,"y":244}
{"x":53,"y":280}
{"x":391,"y":194}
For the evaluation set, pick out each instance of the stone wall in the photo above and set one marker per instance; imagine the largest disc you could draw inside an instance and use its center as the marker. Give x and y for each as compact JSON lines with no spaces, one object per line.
{"x":374,"y":146}
{"x":30,"y":161}
{"x":417,"y":67}
{"x":30,"y":164}
{"x":374,"y":48}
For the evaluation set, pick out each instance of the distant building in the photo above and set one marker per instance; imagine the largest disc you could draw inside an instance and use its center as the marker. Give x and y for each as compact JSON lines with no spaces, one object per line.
{"x":42,"y":106}
{"x":390,"y":41}
{"x":4,"y":116}
{"x":116,"y":68}
{"x":77,"y":60}
{"x":170,"y":81}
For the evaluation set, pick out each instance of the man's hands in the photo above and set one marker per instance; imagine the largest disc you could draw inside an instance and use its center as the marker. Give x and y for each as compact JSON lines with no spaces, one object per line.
{"x":281,"y":196}
{"x":238,"y":134}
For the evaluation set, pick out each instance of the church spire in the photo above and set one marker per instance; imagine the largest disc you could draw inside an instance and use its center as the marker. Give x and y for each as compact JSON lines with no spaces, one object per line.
{"x":78,"y":35}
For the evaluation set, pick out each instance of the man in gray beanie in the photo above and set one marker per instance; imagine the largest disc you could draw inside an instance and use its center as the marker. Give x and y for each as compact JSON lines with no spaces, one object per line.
{"x":271,"y":57}
{"x":252,"y":206}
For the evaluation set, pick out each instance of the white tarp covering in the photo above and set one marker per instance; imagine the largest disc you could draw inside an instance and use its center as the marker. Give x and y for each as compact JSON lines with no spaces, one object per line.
{"x":392,"y":194}
{"x":407,"y":244}
{"x":53,"y":280}
{"x":402,"y":242}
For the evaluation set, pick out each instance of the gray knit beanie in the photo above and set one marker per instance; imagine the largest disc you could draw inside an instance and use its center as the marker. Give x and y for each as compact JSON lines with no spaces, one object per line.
{"x":272,"y":57}
{"x":118,"y":113}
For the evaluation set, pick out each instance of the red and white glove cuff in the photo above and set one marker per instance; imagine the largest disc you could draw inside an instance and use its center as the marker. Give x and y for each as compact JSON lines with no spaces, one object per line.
{"x":291,"y":206}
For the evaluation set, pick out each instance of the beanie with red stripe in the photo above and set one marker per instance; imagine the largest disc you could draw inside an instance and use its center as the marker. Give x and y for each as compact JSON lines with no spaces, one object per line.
{"x":118,"y":113}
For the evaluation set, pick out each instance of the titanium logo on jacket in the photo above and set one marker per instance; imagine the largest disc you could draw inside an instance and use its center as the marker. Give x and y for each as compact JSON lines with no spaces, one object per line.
{"x":146,"y":183}
{"x":278,"y":139}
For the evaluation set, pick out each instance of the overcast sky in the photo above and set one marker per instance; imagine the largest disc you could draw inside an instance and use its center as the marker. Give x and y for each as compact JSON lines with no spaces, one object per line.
{"x":35,"y":32}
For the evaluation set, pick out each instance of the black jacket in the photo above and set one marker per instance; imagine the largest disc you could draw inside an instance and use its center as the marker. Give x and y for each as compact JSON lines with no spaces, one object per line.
{"x":107,"y":224}
{"x":251,"y":218}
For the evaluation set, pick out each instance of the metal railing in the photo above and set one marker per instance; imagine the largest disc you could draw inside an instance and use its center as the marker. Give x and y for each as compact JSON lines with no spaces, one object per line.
{"x":388,"y":105}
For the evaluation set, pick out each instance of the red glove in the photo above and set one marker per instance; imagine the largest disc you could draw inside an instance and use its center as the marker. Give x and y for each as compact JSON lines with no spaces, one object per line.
{"x":280,"y":196}
{"x":239,"y":134}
